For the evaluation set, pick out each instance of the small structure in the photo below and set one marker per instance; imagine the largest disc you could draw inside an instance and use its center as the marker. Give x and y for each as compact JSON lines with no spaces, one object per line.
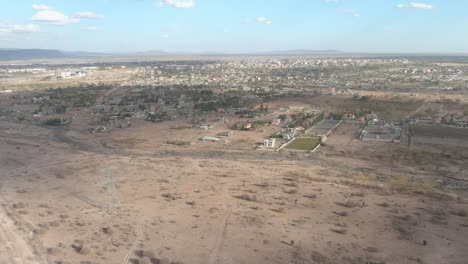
{"x":269,"y":143}
{"x":205,"y":127}
{"x":100,"y":109}
{"x":276,"y":122}
{"x":299,"y":129}
{"x":349,"y":116}
{"x":225,"y":134}
{"x":209,"y":139}
{"x":288,"y":133}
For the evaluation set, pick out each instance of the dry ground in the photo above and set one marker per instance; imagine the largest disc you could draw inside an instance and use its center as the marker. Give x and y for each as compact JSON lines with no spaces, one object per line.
{"x":78,"y":198}
{"x":33,"y":81}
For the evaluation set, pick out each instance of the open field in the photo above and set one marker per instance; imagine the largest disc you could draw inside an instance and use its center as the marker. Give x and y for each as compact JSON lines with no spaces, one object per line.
{"x":388,"y":107}
{"x":344,"y":135}
{"x":155,"y":193}
{"x":440,"y":132}
{"x":323,"y":128}
{"x":449,"y":140}
{"x":196,"y":209}
{"x":24,"y":82}
{"x":306,"y":143}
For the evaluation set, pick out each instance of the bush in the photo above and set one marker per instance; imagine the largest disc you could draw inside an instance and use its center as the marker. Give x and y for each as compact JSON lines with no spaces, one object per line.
{"x":179,"y":142}
{"x":60,"y":109}
{"x":54,"y":122}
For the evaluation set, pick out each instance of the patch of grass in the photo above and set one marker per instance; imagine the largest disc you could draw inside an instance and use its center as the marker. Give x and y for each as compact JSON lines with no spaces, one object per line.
{"x":363,"y":180}
{"x":55,"y":122}
{"x":179,"y":142}
{"x":180,"y":127}
{"x":306,"y":144}
{"x":406,"y":184}
{"x":400,"y":183}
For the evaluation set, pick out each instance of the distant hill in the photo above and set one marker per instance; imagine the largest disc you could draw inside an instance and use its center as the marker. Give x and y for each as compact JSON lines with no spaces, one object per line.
{"x":29,"y":54}
{"x":149,"y":53}
{"x":35,"y":54}
{"x":302,"y":52}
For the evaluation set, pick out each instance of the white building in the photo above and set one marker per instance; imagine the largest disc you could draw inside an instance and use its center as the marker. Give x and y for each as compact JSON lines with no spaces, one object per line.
{"x":269,"y":143}
{"x":210,"y":139}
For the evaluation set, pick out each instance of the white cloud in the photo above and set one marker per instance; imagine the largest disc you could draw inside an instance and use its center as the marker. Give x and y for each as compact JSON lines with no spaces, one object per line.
{"x":54,"y":17}
{"x":92,"y":28}
{"x":414,"y":5}
{"x":47,"y":14}
{"x":264,"y":20}
{"x":29,"y":28}
{"x":353,"y":13}
{"x":179,"y":3}
{"x":330,"y":1}
{"x":88,"y":15}
{"x":41,"y":7}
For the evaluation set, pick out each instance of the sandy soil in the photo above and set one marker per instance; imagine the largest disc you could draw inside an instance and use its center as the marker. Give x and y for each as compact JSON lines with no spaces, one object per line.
{"x":79,"y":198}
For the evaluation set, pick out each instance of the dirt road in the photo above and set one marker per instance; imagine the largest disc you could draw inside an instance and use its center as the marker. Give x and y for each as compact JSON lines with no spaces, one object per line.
{"x":15,"y":250}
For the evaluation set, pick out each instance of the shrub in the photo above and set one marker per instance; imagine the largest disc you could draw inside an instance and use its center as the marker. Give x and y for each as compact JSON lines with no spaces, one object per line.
{"x":54,"y":122}
{"x":179,"y":142}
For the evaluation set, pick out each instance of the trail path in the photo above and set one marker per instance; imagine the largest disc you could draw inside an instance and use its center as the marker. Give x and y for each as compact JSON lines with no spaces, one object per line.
{"x":13,"y":248}
{"x":134,"y":246}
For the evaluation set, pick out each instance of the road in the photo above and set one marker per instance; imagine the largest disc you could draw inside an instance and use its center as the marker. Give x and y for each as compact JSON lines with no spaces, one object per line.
{"x":14,"y":249}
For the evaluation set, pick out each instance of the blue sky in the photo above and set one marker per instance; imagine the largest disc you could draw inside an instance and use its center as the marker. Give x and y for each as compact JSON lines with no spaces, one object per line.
{"x":236,"y":25}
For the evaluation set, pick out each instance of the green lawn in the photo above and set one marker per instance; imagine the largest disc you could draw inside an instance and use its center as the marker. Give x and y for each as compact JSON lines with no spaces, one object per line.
{"x":179,"y":142}
{"x":307,"y":144}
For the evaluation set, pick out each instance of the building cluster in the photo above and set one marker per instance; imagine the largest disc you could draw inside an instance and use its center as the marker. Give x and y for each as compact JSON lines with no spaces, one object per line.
{"x":442,"y":118}
{"x":299,"y":74}
{"x":273,"y":75}
{"x":380,"y":130}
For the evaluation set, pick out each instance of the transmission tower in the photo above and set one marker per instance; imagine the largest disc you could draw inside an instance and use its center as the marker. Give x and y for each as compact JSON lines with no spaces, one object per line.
{"x":114,"y":201}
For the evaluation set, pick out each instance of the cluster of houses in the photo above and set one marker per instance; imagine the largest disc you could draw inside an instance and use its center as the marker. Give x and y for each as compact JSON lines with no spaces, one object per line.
{"x":70,"y":74}
{"x":287,"y":134}
{"x":451,"y":120}
{"x":380,"y":130}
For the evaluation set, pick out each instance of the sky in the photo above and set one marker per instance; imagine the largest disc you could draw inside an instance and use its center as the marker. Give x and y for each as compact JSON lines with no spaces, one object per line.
{"x":236,"y":26}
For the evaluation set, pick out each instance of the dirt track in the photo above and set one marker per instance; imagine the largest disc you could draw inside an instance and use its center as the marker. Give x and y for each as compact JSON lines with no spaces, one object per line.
{"x":15,"y":249}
